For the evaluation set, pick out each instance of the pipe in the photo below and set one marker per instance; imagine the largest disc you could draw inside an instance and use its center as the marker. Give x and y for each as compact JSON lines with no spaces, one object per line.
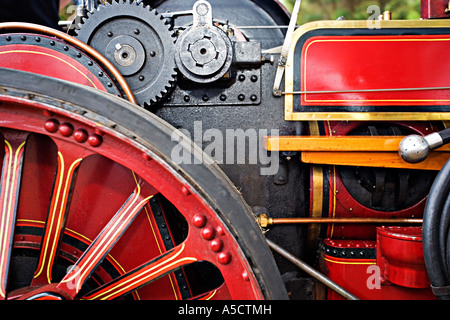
{"x":344,"y":220}
{"x":265,"y":221}
{"x":75,"y":42}
{"x":311,"y":271}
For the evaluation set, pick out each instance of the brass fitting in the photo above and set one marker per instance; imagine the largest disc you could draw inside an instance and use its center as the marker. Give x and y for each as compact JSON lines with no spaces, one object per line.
{"x":264,"y":221}
{"x":385,"y":16}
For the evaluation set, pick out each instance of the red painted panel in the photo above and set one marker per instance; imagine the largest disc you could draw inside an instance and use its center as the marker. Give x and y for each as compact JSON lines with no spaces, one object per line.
{"x":375,"y":62}
{"x":47,"y":62}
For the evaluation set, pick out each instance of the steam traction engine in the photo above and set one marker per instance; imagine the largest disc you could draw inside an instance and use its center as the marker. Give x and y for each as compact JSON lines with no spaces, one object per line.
{"x":138,"y":150}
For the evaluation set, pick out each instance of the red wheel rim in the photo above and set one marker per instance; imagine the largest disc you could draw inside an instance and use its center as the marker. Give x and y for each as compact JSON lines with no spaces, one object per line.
{"x":103,"y":199}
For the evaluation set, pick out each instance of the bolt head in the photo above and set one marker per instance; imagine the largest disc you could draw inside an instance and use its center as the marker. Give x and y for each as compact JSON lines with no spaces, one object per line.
{"x":199,"y":220}
{"x":224,"y":258}
{"x":66,"y":129}
{"x":146,"y":156}
{"x":220,"y":230}
{"x":80,"y":135}
{"x":216,"y":245}
{"x":95,"y":140}
{"x":51,"y":125}
{"x":185,"y":191}
{"x":208,"y":233}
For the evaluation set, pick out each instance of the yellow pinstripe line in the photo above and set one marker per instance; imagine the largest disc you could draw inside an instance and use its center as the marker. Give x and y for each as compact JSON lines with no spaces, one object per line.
{"x":62,"y":209}
{"x":348,"y":262}
{"x":212,"y":295}
{"x":368,"y":40}
{"x":54,"y":208}
{"x":139,"y":276}
{"x":7,"y":202}
{"x":49,"y":55}
{"x":58,"y":190}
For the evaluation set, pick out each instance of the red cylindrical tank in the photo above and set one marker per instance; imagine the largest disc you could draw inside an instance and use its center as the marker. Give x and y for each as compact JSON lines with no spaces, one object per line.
{"x":400,"y":256}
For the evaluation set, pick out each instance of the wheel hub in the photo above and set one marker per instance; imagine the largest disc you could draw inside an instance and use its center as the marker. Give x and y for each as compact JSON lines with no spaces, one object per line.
{"x":127,"y":53}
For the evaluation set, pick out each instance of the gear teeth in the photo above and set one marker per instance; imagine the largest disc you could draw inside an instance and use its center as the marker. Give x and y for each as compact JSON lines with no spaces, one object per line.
{"x":159,"y":83}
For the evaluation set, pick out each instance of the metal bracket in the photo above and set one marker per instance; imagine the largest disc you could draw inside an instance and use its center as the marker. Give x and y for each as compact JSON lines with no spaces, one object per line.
{"x":246,"y":91}
{"x":202,"y":14}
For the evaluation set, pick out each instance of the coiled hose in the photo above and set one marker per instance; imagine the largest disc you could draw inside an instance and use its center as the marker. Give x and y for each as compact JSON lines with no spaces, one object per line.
{"x":436,"y":240}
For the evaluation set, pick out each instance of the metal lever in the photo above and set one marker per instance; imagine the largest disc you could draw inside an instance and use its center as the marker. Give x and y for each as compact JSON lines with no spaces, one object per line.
{"x":285,"y":49}
{"x":415,"y":148}
{"x":312,"y":272}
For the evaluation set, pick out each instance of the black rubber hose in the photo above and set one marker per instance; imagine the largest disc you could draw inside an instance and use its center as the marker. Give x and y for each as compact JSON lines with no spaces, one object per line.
{"x":443,"y":234}
{"x":448,"y":254}
{"x":431,"y":229}
{"x":445,"y":135}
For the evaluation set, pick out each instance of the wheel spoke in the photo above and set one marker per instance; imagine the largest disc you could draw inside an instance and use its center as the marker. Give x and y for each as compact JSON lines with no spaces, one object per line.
{"x":103,"y":243}
{"x":9,"y":195}
{"x":58,"y":208}
{"x":169,"y":262}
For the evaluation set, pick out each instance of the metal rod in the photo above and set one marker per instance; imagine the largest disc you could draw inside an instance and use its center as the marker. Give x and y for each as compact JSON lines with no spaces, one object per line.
{"x":262,"y":27}
{"x":311,"y":271}
{"x":345,"y":220}
{"x":177,"y":14}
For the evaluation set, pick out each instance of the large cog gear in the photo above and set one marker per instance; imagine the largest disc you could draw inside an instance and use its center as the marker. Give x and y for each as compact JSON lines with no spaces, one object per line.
{"x":140,"y":44}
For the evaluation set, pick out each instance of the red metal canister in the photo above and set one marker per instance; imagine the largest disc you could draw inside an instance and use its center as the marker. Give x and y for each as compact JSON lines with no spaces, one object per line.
{"x":400,"y":256}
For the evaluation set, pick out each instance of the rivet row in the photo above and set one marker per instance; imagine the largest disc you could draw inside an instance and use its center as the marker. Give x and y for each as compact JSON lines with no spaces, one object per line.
{"x":67,"y":130}
{"x":209,"y":234}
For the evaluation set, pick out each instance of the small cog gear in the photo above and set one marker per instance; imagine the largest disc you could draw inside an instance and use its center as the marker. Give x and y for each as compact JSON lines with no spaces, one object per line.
{"x":140,"y":44}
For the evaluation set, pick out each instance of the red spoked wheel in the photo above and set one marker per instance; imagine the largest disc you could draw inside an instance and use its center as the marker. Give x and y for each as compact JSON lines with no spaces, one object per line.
{"x":93,"y":207}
